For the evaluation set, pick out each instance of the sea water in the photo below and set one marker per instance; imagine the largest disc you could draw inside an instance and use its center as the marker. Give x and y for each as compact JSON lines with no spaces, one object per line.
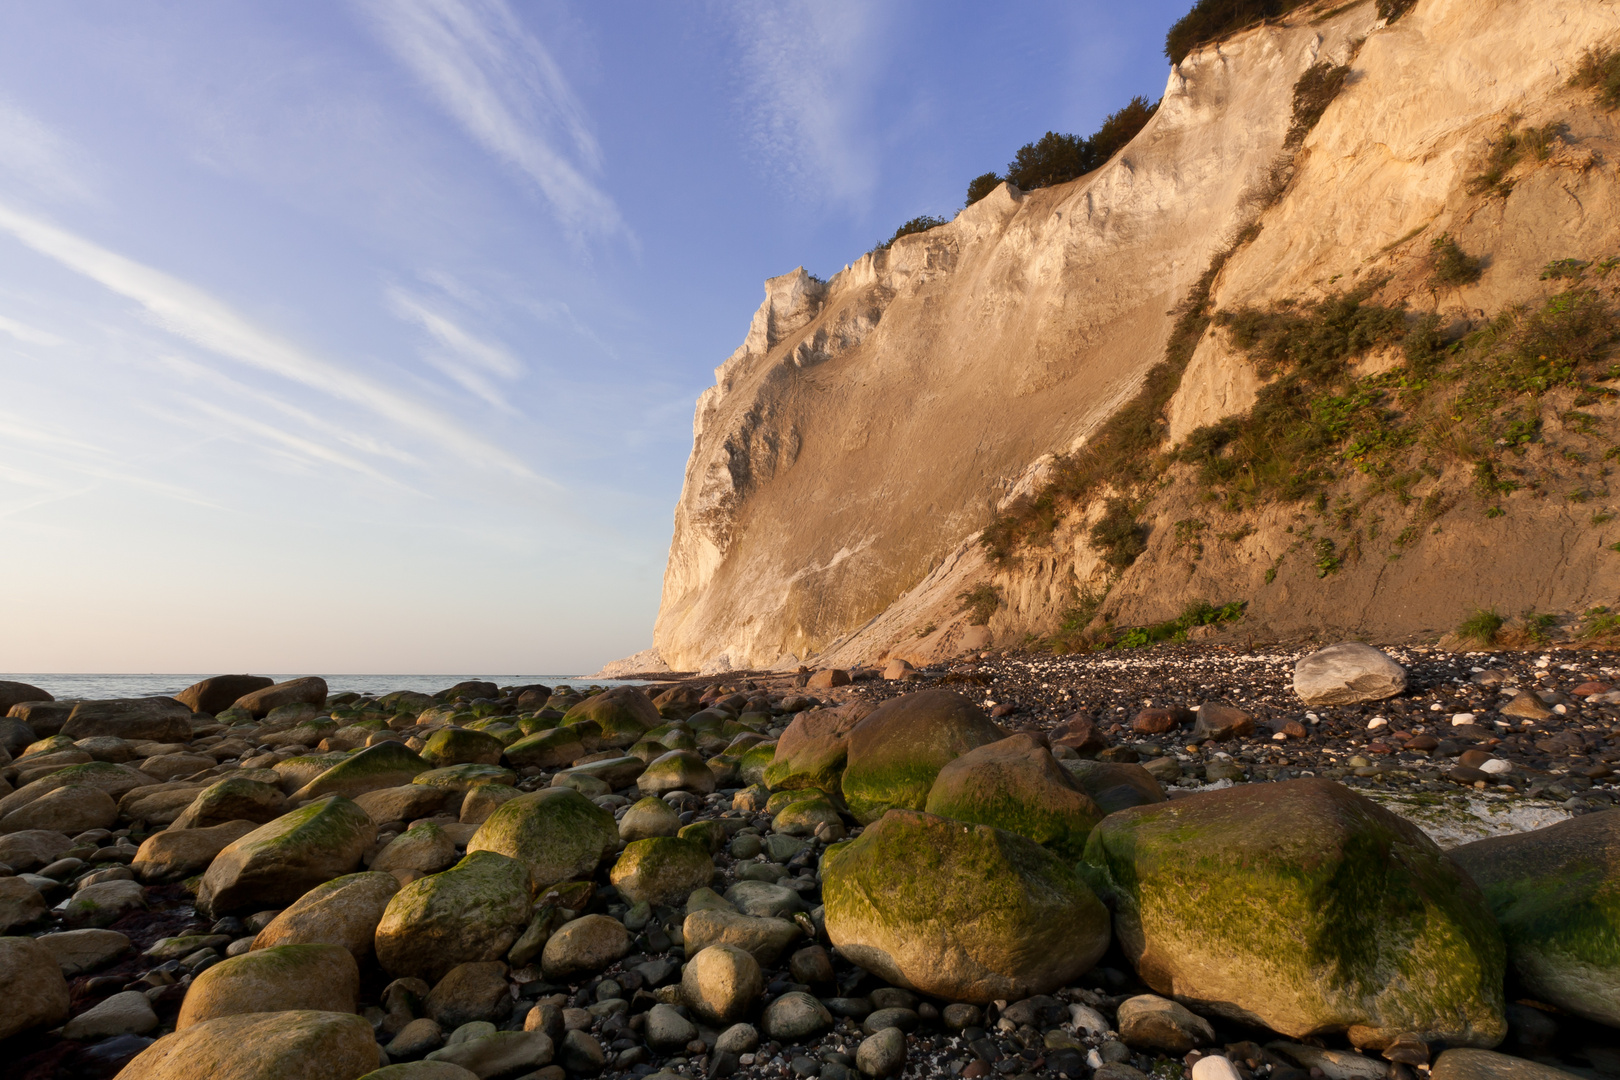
{"x":73,"y":687}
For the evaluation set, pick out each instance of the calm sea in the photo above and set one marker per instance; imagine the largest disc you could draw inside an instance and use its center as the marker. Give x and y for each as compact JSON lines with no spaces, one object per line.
{"x":65,"y":687}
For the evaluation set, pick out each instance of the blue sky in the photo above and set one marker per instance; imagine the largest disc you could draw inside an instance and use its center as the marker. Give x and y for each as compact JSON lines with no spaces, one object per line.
{"x":364,"y":335}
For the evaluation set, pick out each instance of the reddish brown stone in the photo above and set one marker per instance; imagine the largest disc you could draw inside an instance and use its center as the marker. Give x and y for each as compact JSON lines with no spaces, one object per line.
{"x":1159,"y":721}
{"x":1423,"y":742}
{"x":1295,"y":730}
{"x":1079,"y":732}
{"x":1587,"y":689}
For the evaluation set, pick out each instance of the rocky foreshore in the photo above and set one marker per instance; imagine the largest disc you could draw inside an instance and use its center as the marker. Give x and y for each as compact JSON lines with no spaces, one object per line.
{"x":1194,"y":859}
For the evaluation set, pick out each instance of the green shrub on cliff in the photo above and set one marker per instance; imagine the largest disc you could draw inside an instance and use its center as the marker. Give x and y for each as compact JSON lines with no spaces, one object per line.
{"x":1211,"y":20}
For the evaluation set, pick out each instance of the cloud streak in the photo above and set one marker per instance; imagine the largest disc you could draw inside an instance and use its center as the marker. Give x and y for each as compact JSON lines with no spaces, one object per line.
{"x":461,"y":355}
{"x":193,"y":314}
{"x":506,"y":91}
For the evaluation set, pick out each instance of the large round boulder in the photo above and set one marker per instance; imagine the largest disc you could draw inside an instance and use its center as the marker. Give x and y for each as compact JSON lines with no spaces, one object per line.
{"x":176,"y":854}
{"x":472,"y":912}
{"x":155,"y":719}
{"x":1016,"y":784}
{"x":897,"y":751}
{"x":344,"y":911}
{"x":297,"y":1045}
{"x":812,"y":752}
{"x":386,"y":765}
{"x":72,"y":809}
{"x":556,"y":832}
{"x":624,"y":714}
{"x":235,"y":798}
{"x":548,"y":749}
{"x":662,"y":870}
{"x":306,"y":691}
{"x":323,"y":978}
{"x":1347,"y":673}
{"x":1303,"y":907}
{"x":215,"y":695}
{"x":960,"y":912}
{"x":1114,"y":785}
{"x":36,"y":991}
{"x":1556,"y":895}
{"x":462,"y":746}
{"x":677,"y":770}
{"x":277,"y":863}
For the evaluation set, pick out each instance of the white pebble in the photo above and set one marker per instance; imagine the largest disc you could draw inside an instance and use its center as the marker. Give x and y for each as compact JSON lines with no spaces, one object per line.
{"x":1560,"y":710}
{"x":1313,"y":718}
{"x":1279,"y":737}
{"x":1214,"y":1067}
{"x":1436,"y":707}
{"x":1461,"y":718}
{"x":1496,"y":766}
{"x":1094,"y":1060}
{"x":1376,"y":722}
{"x":1085,"y":1018}
{"x":1544,"y":661}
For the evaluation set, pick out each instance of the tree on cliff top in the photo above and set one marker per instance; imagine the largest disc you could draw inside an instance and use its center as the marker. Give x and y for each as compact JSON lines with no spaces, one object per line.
{"x":1211,"y":20}
{"x":1056,"y":159}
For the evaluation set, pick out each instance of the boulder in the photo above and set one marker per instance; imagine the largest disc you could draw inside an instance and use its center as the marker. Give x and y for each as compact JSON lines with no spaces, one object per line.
{"x":73,"y":809}
{"x":1079,"y":732}
{"x":615,"y":772}
{"x":126,"y":1013}
{"x":504,"y":1053}
{"x":898,"y":750}
{"x":470,"y":993}
{"x":721,"y":983}
{"x":472,"y":912}
{"x":1556,"y":895}
{"x":1221,"y":722}
{"x":424,"y":847}
{"x":677,"y":770}
{"x":82,"y":951}
{"x":297,"y":1045}
{"x":1466,"y":1064}
{"x":214,"y":695}
{"x":464,"y":778}
{"x":754,"y":761}
{"x":667,"y":1030}
{"x":115,"y":780}
{"x":33,"y":848}
{"x":484,"y":800}
{"x":556,"y":832}
{"x":155,"y":719}
{"x":1016,"y":784}
{"x":1150,"y":1022}
{"x":235,"y":798}
{"x":814,"y":749}
{"x":624,"y":714}
{"x":319,"y":978}
{"x":162,"y":804}
{"x":44,"y":718}
{"x":308,"y":691}
{"x":20,"y":904}
{"x":1352,"y":917}
{"x":386,"y":765}
{"x":763,"y":938}
{"x":103,"y":903}
{"x":277,"y":863}
{"x":765,"y":900}
{"x":169,"y":767}
{"x":176,"y":854}
{"x":461,"y":746}
{"x":662,"y":870}
{"x":15,"y":693}
{"x":1115,"y":785}
{"x":794,"y":1017}
{"x":404,"y":803}
{"x":961,"y":912}
{"x":547,"y":749}
{"x":1347,"y":673}
{"x":584,"y":947}
{"x":36,"y":992}
{"x":803,"y":816}
{"x":344,"y":911}
{"x":15,"y":735}
{"x":471,"y":690}
{"x":647,"y":817}
{"x":882,"y":1054}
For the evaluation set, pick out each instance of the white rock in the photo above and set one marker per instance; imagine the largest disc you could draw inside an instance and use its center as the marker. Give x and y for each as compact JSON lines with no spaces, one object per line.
{"x":127,"y":1013}
{"x":1085,"y":1018}
{"x":1214,"y":1067}
{"x":1347,"y":673}
{"x":1459,"y":719}
{"x":1496,"y":766}
{"x":1376,"y":723}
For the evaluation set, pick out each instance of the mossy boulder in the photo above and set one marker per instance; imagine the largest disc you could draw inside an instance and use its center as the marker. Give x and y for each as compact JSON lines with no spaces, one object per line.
{"x":462,"y":746}
{"x":898,"y":750}
{"x":754,"y":761}
{"x":547,"y":749}
{"x":324,"y":978}
{"x":471,"y":913}
{"x":803,"y":815}
{"x":235,"y":798}
{"x":648,"y":817}
{"x":116,"y":780}
{"x":1114,"y":785}
{"x":344,"y":911}
{"x":1556,"y":895}
{"x":1303,"y":907}
{"x":677,"y":770}
{"x":813,"y":750}
{"x":296,"y":1045}
{"x":662,"y":870}
{"x":386,"y":765}
{"x":424,"y":847}
{"x":960,"y":912}
{"x":1016,"y":784}
{"x":465,"y":777}
{"x":557,"y":833}
{"x":624,"y":714}
{"x":277,"y":863}
{"x":615,"y":772}
{"x":294,"y":772}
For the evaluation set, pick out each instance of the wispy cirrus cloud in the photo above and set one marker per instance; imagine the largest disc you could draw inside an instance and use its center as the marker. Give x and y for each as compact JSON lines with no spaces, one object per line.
{"x":807,"y":68}
{"x":35,"y":157}
{"x":503,"y":87}
{"x":195,"y":315}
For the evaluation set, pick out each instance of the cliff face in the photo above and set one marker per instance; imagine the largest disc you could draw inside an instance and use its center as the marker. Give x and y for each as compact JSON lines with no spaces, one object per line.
{"x":869,"y":427}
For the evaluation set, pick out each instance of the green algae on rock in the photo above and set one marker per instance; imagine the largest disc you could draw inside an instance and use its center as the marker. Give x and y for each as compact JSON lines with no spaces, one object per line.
{"x":547,"y":749}
{"x":1556,"y":895}
{"x":1016,"y":784}
{"x":623,"y":714}
{"x":814,"y":749}
{"x":277,"y":863}
{"x":1304,"y":907}
{"x":897,"y":751}
{"x":465,"y":777}
{"x":662,"y":870}
{"x":556,"y":832}
{"x":297,"y":1045}
{"x":462,"y":746}
{"x":960,"y":912}
{"x":472,"y":912}
{"x":754,"y":761}
{"x":386,"y":765}
{"x":1114,"y":785}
